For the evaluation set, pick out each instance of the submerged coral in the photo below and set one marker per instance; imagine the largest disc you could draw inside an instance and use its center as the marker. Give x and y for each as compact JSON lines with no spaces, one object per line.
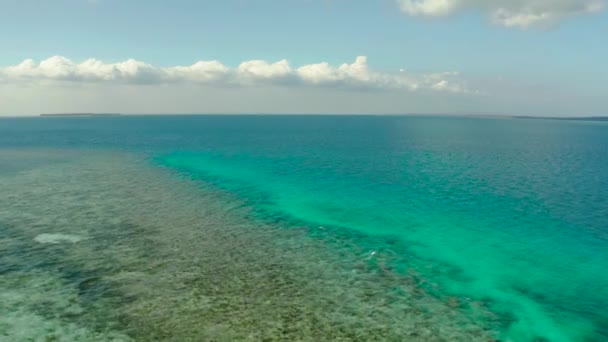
{"x":168,"y":259}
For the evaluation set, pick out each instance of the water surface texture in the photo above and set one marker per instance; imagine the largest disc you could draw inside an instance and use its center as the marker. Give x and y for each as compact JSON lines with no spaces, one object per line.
{"x":303,"y":228}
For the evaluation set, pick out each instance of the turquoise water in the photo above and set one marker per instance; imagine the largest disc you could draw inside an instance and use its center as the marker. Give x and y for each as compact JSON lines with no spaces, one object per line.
{"x":309,"y":228}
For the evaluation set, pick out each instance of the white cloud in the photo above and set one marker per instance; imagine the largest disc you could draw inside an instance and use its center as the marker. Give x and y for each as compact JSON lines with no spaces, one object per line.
{"x":62,"y":69}
{"x":356,"y":75}
{"x":428,"y":7}
{"x":509,"y":13}
{"x":261,"y":70}
{"x":443,"y":82}
{"x":202,"y":71}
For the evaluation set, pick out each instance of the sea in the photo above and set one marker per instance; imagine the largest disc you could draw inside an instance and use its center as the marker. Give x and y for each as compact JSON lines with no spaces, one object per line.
{"x":303,"y":228}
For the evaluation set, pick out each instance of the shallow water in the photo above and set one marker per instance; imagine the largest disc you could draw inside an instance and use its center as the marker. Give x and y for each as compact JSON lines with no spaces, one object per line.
{"x":303,"y":228}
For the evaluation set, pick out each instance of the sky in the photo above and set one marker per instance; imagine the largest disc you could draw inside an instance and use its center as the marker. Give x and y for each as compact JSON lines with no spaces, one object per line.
{"x":509,"y":57}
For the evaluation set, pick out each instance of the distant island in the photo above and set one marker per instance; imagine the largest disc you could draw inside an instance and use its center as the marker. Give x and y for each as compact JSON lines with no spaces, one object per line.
{"x":582,"y":118}
{"x":80,"y":114}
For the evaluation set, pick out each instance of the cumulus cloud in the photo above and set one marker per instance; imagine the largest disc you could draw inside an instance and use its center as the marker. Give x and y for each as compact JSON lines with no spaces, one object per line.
{"x":522,"y":14}
{"x":257,"y":70}
{"x":356,"y":75}
{"x":61,"y":68}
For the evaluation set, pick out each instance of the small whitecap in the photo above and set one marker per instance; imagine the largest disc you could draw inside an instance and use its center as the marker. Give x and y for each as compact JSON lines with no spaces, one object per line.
{"x":57,"y":238}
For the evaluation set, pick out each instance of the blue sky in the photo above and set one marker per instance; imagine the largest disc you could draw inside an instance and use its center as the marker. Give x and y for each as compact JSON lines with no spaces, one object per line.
{"x":505,"y":66}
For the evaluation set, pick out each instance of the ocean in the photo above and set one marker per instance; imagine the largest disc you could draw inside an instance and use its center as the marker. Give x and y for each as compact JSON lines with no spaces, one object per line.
{"x":309,"y":228}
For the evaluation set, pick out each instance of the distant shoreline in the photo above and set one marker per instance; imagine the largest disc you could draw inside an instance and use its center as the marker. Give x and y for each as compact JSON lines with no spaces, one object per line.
{"x":481,"y":116}
{"x":79,"y":114}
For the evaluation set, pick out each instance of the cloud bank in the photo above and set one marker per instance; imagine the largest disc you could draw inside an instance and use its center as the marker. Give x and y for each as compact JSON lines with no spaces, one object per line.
{"x":521,"y":14}
{"x":356,"y":75}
